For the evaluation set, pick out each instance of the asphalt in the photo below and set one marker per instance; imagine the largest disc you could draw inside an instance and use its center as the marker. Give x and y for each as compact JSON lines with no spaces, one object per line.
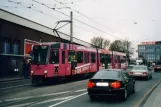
{"x":66,"y":94}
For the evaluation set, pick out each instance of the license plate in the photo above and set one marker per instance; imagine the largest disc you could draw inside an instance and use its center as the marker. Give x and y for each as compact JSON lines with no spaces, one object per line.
{"x":138,"y":73}
{"x":102,"y":84}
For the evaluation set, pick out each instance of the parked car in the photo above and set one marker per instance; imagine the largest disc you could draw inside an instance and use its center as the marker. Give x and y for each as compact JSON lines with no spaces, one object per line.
{"x":157,"y":66}
{"x":141,"y":71}
{"x":111,"y":82}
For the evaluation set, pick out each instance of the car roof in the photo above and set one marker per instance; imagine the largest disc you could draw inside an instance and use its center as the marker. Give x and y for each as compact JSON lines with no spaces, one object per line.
{"x":111,"y":70}
{"x":140,"y":66}
{"x":100,"y":74}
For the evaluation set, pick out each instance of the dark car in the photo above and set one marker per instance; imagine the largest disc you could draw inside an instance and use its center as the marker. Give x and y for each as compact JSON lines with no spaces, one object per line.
{"x":111,"y":82}
{"x":157,"y":66}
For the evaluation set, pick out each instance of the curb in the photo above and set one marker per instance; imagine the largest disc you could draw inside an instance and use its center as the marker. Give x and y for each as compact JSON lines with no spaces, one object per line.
{"x":146,"y":96}
{"x":151,"y":91}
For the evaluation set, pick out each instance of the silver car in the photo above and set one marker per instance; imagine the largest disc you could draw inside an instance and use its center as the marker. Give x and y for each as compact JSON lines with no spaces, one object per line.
{"x":141,"y":71}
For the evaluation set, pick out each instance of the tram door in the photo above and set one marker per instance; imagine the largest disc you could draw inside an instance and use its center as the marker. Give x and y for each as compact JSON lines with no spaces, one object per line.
{"x":72,"y":62}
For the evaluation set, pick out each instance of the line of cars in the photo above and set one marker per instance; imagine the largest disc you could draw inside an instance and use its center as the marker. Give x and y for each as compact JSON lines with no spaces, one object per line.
{"x":116,"y":82}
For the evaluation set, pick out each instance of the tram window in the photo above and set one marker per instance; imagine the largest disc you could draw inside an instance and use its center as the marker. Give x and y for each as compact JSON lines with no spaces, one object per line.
{"x":86,"y":57}
{"x":80,"y":57}
{"x":63,"y":57}
{"x":54,"y":56}
{"x":93,"y":57}
{"x":102,"y":58}
{"x":109,"y":58}
{"x":71,"y":56}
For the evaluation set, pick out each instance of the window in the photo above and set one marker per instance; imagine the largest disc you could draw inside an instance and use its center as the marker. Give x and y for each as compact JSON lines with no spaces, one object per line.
{"x":102,"y":74}
{"x":63,"y":57}
{"x":40,"y":54}
{"x":16,"y":47}
{"x":102,"y":58}
{"x":79,"y":57}
{"x":71,"y":56}
{"x":6,"y":46}
{"x":54,"y":56}
{"x":105,"y":56}
{"x":139,"y":68}
{"x":93,"y":57}
{"x":126,"y":74}
{"x":125,"y":78}
{"x":86,"y":57}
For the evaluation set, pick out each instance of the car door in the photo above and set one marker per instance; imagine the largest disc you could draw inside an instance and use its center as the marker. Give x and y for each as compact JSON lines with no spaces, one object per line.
{"x":129,"y":80}
{"x":149,"y":71}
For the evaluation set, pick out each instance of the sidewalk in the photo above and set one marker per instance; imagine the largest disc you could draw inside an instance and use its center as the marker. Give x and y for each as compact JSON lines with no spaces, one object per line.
{"x":154,"y":99}
{"x":12,"y":79}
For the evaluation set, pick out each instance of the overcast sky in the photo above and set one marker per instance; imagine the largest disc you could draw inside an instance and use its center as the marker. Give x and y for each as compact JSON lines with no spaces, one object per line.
{"x":136,"y":20}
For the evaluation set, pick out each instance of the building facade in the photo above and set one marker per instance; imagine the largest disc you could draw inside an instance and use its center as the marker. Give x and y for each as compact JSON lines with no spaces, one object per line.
{"x":150,"y":51}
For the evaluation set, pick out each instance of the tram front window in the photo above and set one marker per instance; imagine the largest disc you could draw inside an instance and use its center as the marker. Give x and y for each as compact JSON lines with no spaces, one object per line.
{"x":40,"y":54}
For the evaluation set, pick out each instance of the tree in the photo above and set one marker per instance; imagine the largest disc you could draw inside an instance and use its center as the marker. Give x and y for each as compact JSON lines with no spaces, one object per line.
{"x":100,"y":42}
{"x":124,"y":46}
{"x":128,"y":49}
{"x":117,"y":45}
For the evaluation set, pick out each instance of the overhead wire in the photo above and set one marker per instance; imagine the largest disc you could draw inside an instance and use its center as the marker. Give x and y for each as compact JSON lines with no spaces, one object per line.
{"x":67,"y":16}
{"x":30,"y":7}
{"x":90,"y":18}
{"x":83,"y":15}
{"x":77,"y":20}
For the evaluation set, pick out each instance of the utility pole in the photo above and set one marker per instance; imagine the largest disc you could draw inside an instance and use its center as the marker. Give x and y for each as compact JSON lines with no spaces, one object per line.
{"x":127,"y":52}
{"x":71,"y":27}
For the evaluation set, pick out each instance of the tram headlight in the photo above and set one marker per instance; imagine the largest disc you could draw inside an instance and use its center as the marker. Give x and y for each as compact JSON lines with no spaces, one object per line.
{"x":45,"y":72}
{"x":31,"y":73}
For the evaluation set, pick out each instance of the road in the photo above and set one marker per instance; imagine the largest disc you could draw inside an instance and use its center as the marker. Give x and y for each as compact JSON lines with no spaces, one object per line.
{"x":70,"y":94}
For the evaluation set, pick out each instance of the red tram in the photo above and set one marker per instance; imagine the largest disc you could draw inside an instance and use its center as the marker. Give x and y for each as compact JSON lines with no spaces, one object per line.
{"x":54,"y":59}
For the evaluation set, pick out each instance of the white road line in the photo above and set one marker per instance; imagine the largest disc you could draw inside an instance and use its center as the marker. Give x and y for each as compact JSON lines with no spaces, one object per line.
{"x":80,"y":90}
{"x":44,"y":95}
{"x":67,"y":100}
{"x":13,"y":86}
{"x":20,"y":105}
{"x":56,"y":99}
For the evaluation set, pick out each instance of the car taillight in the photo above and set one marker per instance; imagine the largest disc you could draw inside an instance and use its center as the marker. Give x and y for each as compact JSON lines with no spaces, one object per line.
{"x":145,"y":73}
{"x":131,"y":73}
{"x":91,"y":84}
{"x":155,"y":67}
{"x":115,"y":84}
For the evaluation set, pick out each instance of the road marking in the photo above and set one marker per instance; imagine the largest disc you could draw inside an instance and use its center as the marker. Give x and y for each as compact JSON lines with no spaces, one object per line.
{"x":80,"y":90}
{"x":44,"y":95}
{"x":56,"y":99}
{"x":1,"y":101}
{"x":146,"y":94}
{"x":67,"y":100}
{"x":20,"y":105}
{"x":14,"y":86}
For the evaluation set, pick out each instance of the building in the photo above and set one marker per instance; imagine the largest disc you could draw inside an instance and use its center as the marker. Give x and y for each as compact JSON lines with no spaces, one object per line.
{"x":17,"y":35}
{"x":150,"y":51}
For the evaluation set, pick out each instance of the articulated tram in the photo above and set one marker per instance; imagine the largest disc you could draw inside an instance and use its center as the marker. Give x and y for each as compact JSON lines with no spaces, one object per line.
{"x":56,"y":60}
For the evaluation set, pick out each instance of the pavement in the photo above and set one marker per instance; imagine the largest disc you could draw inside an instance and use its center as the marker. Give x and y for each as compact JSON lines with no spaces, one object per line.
{"x":154,"y":99}
{"x":10,"y":79}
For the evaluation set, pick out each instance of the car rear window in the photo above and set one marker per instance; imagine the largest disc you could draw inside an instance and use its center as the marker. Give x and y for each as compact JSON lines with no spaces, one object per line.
{"x":107,"y":74}
{"x":139,"y":68}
